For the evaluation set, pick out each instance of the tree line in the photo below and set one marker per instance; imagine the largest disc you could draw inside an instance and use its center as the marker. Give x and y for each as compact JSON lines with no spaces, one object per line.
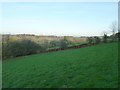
{"x":28,"y":47}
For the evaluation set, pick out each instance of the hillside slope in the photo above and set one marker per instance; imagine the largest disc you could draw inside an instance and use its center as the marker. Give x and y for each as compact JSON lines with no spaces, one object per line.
{"x":88,"y":67}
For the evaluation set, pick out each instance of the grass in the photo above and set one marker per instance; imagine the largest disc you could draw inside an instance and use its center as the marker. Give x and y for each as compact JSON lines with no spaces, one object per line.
{"x":89,"y":67}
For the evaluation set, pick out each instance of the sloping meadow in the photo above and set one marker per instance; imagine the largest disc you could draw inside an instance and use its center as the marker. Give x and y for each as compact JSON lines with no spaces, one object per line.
{"x":89,"y":67}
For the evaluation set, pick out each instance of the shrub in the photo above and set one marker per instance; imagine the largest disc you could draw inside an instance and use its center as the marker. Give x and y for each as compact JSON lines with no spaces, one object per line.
{"x":54,"y":43}
{"x":63,"y":44}
{"x":97,"y":40}
{"x":90,"y":40}
{"x":105,"y":38}
{"x":19,"y":48}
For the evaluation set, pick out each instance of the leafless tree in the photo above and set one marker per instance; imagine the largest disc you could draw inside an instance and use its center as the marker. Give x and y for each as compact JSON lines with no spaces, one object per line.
{"x":113,"y":28}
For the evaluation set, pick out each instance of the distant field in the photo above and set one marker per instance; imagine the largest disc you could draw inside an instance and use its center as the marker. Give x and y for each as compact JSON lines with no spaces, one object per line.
{"x":94,"y":66}
{"x":42,"y":39}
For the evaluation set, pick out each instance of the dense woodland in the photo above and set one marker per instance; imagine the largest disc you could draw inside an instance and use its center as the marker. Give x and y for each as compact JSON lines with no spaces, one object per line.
{"x":25,"y":44}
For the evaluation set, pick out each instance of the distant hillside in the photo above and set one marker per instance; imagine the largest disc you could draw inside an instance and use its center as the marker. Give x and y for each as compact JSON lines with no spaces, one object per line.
{"x":42,"y":39}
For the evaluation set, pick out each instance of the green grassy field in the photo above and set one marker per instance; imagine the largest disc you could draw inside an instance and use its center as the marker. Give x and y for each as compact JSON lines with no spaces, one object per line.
{"x":89,"y":67}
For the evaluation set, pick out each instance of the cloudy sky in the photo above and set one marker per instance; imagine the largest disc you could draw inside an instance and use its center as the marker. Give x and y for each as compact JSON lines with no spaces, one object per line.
{"x":58,"y":18}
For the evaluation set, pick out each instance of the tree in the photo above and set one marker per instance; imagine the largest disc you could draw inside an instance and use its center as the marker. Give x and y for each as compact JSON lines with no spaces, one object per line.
{"x":54,"y":43}
{"x":105,"y":37}
{"x":19,"y":48}
{"x":45,"y":45}
{"x":117,"y":35}
{"x":113,"y":29}
{"x":90,"y":40}
{"x":97,"y":40}
{"x":6,"y":38}
{"x":63,"y":44}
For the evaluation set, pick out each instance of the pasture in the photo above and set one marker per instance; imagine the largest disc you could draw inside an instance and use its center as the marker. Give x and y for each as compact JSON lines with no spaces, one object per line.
{"x":88,"y":67}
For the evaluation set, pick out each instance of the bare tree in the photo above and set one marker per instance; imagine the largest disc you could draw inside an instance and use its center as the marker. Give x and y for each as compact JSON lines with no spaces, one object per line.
{"x":113,"y":29}
{"x":104,"y":32}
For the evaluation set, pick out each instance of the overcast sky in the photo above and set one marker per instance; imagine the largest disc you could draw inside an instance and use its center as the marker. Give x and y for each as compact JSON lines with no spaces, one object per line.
{"x":75,"y":18}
